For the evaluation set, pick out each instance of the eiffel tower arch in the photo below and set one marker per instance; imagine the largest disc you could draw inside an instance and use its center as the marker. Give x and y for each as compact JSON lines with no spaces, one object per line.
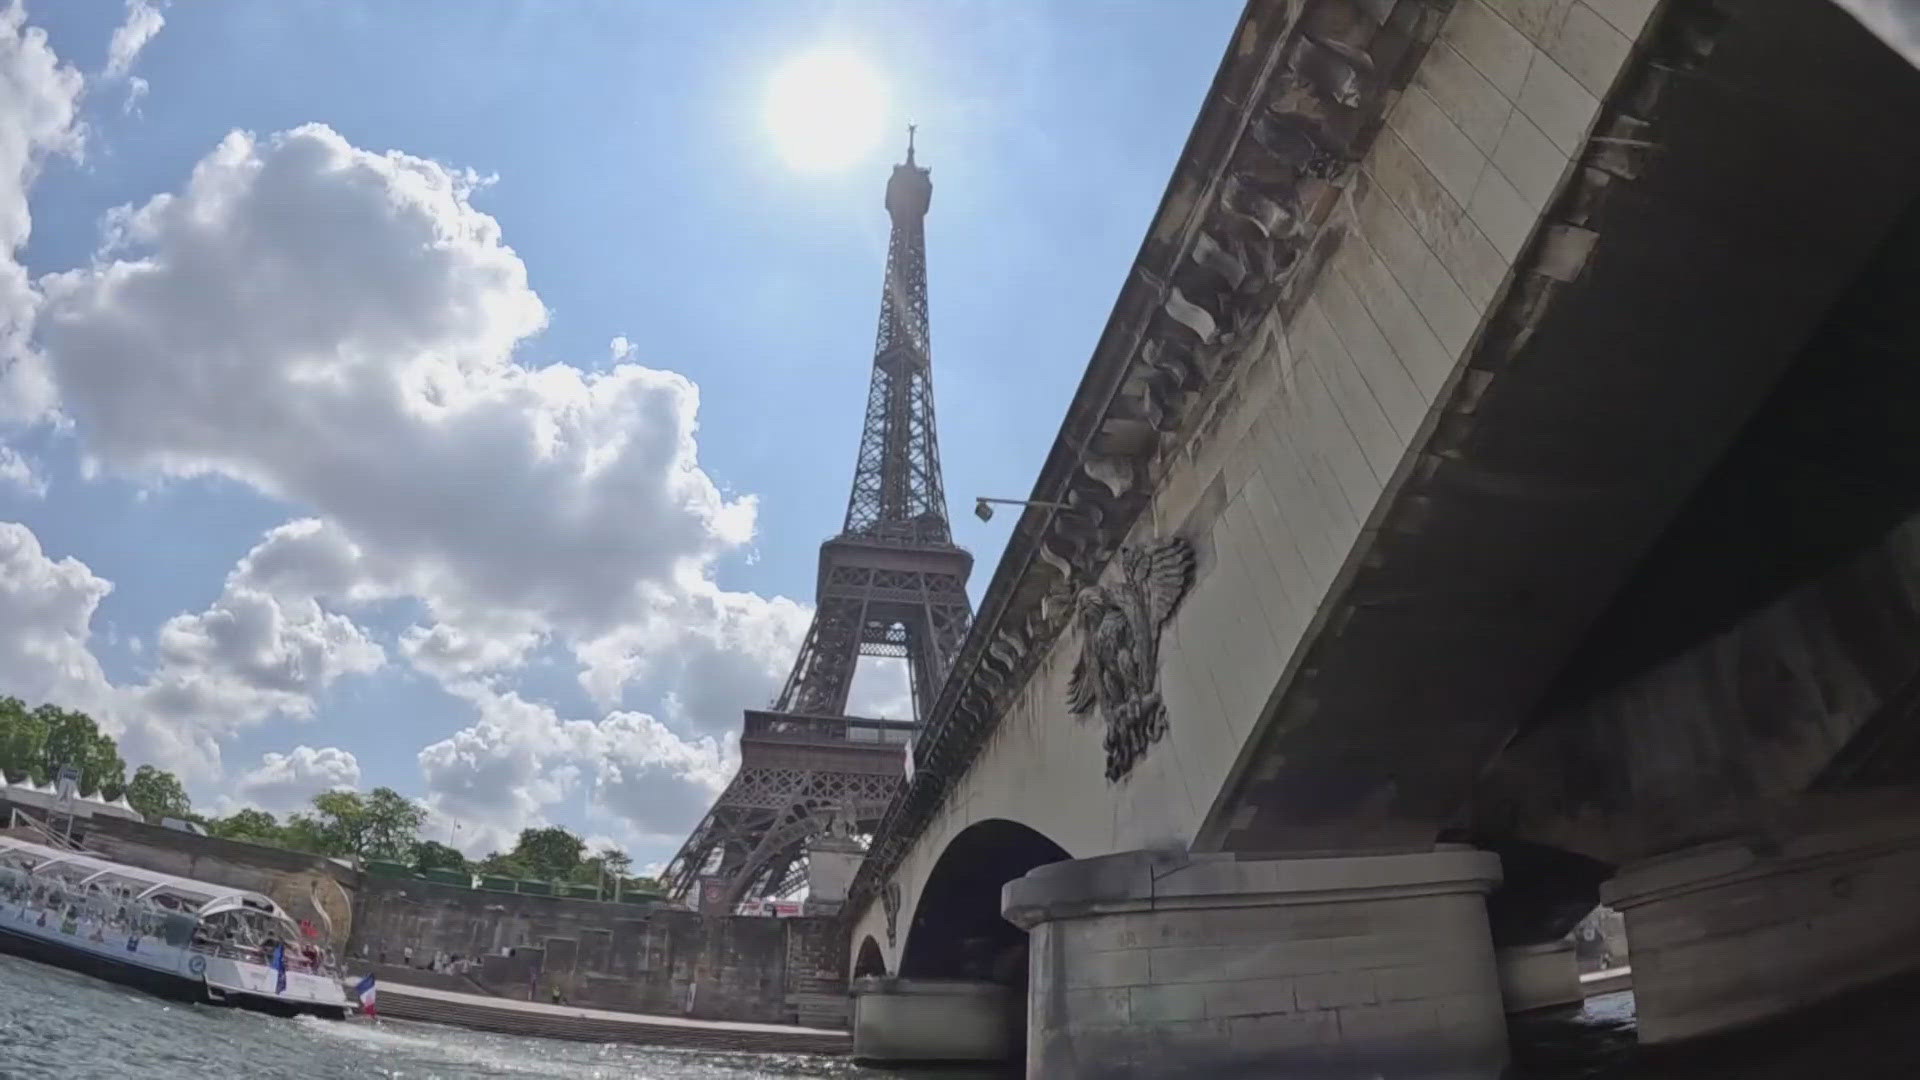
{"x":891,"y":584}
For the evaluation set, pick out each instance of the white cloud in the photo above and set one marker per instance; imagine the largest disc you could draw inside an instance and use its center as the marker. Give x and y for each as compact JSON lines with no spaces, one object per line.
{"x":287,"y":782}
{"x":143,"y":21}
{"x":620,"y":348}
{"x":249,"y":656}
{"x":46,"y":606}
{"x":521,"y":760}
{"x":38,"y":119}
{"x":20,"y":471}
{"x":338,"y":329}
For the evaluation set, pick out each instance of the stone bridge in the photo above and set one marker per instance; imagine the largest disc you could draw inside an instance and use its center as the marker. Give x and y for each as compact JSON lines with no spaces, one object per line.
{"x":1494,"y":492}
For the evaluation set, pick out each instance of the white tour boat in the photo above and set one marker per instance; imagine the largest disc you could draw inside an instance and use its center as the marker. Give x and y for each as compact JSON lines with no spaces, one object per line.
{"x":169,"y":935}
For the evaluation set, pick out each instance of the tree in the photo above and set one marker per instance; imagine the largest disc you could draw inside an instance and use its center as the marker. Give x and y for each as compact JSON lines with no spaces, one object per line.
{"x":616,"y":861}
{"x":74,"y":739}
{"x":306,"y":832}
{"x":23,"y":742}
{"x":393,"y":824}
{"x":340,"y":821}
{"x":433,"y":855}
{"x":256,"y":826}
{"x":504,"y":864}
{"x":382,"y":824}
{"x":157,"y":794}
{"x":603,"y":869}
{"x":549,"y":854}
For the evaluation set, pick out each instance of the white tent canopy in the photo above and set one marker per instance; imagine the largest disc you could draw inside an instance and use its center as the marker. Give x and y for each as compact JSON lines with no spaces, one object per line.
{"x":27,"y":793}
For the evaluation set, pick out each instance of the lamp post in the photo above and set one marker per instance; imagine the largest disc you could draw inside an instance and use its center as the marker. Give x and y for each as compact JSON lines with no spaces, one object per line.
{"x":983,"y":509}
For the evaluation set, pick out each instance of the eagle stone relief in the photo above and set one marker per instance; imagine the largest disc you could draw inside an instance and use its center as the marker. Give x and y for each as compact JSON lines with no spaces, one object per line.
{"x":1119,"y":665}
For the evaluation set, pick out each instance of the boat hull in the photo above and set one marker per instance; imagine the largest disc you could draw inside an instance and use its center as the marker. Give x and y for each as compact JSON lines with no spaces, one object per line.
{"x":156,"y":981}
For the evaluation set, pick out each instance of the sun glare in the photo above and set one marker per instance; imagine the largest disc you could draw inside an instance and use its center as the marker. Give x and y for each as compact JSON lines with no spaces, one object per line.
{"x":825,"y":110}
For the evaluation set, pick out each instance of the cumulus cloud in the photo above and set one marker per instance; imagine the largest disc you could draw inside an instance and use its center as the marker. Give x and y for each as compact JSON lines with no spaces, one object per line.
{"x":341,"y":329}
{"x":38,"y":119}
{"x":520,"y":760}
{"x":46,"y":611}
{"x":250,"y":656}
{"x":336,"y":327}
{"x":143,"y":21}
{"x":288,"y":782}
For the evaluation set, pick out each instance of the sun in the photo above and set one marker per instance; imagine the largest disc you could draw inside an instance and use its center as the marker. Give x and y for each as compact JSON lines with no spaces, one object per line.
{"x":825,"y":110}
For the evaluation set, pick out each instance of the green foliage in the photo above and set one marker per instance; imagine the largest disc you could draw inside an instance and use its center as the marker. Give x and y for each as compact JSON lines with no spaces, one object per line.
{"x":549,"y":854}
{"x":616,"y":862}
{"x":253,"y":826}
{"x":307,"y":832}
{"x":507,"y":864}
{"x":158,"y":794}
{"x":555,"y":854}
{"x":382,"y":824}
{"x":379,"y":825}
{"x":34,"y":744}
{"x":74,"y":739}
{"x":433,"y":855}
{"x":393,"y":824}
{"x":23,"y":742}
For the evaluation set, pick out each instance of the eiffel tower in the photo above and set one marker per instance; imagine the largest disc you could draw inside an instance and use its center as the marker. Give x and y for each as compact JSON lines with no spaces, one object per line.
{"x":892,"y":584}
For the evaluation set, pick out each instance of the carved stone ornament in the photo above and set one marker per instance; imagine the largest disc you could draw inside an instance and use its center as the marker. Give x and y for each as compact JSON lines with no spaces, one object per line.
{"x":1119,"y":665}
{"x":890,"y":903}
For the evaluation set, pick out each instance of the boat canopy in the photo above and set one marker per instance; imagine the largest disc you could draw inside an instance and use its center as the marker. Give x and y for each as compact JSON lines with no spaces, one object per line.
{"x":80,"y":870}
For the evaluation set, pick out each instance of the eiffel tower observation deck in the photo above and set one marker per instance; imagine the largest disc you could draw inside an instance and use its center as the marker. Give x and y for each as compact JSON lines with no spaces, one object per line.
{"x":891,"y":584}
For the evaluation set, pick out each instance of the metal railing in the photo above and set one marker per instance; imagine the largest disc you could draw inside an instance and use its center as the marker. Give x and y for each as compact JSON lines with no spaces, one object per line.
{"x":41,"y":833}
{"x":787,"y":727}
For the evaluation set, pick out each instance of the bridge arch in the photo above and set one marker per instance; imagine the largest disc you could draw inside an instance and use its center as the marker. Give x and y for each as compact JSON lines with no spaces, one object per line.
{"x":957,"y":931}
{"x":870,"y":960}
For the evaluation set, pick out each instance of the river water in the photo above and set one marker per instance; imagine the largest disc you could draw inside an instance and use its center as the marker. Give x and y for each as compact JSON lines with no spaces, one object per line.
{"x":57,"y":1024}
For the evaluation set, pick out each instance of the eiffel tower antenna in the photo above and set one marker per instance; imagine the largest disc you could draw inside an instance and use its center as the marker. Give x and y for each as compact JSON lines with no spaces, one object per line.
{"x":892,"y":584}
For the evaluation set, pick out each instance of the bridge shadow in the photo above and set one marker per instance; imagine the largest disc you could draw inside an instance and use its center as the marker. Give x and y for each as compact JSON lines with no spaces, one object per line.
{"x":957,"y":931}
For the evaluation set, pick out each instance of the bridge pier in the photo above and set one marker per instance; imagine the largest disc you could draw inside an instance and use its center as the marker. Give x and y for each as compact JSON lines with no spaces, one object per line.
{"x":1149,"y":964}
{"x":1539,"y":976}
{"x":933,"y":1021}
{"x":1728,"y":933}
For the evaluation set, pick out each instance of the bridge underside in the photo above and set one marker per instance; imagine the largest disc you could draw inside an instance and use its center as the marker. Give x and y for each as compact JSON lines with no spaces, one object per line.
{"x":1743,"y":176}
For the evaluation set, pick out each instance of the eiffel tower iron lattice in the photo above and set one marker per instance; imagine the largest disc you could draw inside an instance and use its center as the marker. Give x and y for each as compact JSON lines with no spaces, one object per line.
{"x":891,"y":584}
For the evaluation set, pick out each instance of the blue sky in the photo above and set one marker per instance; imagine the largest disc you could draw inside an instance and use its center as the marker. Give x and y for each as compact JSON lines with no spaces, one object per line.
{"x":321,"y":462}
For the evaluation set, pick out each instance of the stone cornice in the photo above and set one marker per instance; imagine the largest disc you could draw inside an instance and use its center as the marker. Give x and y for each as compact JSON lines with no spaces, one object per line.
{"x":1238,"y":236}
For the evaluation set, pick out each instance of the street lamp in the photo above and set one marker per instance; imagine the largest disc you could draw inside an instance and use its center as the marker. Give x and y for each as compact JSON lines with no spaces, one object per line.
{"x":984,"y":512}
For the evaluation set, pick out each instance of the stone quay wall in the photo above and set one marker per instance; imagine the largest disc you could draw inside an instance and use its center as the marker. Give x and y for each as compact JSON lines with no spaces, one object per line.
{"x":641,"y":958}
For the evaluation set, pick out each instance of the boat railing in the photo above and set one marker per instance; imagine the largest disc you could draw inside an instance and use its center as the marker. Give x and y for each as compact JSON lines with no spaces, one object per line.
{"x":254,"y":954}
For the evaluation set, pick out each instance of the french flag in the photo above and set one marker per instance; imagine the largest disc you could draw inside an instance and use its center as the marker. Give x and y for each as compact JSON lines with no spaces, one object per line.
{"x":366,"y":993}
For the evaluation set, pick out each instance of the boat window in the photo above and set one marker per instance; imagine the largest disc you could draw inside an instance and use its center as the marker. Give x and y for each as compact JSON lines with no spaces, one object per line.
{"x":177,"y":929}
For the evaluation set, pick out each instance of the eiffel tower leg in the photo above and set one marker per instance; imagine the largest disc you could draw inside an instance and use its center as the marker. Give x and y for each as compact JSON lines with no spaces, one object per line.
{"x":823,"y":673}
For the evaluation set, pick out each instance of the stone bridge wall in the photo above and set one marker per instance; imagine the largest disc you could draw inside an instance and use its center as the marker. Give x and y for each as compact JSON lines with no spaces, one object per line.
{"x":1292,"y":458}
{"x":613,"y":956}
